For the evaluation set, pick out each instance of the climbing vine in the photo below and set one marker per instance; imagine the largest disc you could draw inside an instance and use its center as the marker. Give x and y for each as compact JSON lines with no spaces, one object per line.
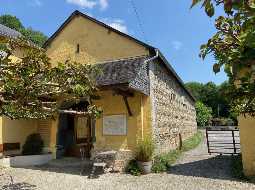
{"x":30,"y":87}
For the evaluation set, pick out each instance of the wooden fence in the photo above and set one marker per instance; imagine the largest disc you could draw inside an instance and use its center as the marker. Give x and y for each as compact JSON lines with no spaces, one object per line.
{"x":223,"y":140}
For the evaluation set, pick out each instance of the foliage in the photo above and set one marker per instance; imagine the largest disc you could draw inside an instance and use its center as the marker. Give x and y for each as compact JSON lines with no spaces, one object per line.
{"x":233,"y":47}
{"x":196,"y":89}
{"x":237,"y":167}
{"x":14,"y":23}
{"x":34,"y":36}
{"x":222,"y":122}
{"x":33,"y":145}
{"x":133,"y":168}
{"x":246,"y":7}
{"x":163,"y":162}
{"x":214,"y":96}
{"x":145,"y":149}
{"x":11,"y":21}
{"x":192,"y":142}
{"x":204,"y":114}
{"x":32,"y":88}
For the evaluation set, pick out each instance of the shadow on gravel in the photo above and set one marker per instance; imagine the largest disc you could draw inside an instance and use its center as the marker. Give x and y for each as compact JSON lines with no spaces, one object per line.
{"x":72,"y":170}
{"x":218,"y":167}
{"x":19,"y":186}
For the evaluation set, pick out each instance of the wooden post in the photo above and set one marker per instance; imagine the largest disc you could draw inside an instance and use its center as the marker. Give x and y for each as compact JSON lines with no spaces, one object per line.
{"x":93,"y":129}
{"x":207,"y":141}
{"x":180,"y":141}
{"x":127,"y":105}
{"x":234,"y":142}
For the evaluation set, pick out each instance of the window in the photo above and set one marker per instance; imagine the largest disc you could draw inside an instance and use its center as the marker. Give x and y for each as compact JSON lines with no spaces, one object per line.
{"x":78,"y":48}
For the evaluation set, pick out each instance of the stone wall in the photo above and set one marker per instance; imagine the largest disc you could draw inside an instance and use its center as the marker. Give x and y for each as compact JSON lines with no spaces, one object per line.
{"x":173,"y":111}
{"x":117,"y":161}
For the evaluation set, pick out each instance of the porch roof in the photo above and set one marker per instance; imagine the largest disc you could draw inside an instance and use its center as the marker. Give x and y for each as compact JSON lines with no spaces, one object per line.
{"x":131,"y":73}
{"x":8,"y":32}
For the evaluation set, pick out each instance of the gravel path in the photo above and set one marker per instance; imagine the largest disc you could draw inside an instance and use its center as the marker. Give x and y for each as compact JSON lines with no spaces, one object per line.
{"x":196,"y":170}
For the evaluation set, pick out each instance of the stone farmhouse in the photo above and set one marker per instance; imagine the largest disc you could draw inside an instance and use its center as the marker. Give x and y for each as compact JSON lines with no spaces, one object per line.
{"x":140,"y":94}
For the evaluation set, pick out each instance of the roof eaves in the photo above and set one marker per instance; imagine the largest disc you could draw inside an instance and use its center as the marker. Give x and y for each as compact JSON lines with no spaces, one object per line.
{"x":78,"y":13}
{"x":8,"y":32}
{"x":170,"y":68}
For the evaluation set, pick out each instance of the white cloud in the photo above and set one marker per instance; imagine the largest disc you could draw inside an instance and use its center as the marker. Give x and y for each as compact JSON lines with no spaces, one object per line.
{"x":38,"y":2}
{"x":117,"y":24}
{"x":83,"y":3}
{"x":103,"y":4}
{"x":177,"y":44}
{"x":35,"y":3}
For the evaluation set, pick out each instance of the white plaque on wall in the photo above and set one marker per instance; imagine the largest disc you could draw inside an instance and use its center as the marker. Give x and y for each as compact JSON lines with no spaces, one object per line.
{"x":115,"y":125}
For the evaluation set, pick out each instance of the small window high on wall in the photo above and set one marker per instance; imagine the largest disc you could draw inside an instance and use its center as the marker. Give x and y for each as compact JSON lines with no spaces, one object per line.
{"x":78,"y":48}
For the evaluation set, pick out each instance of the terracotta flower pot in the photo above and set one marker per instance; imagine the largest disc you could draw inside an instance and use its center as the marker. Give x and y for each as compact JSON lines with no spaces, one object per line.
{"x":145,"y":167}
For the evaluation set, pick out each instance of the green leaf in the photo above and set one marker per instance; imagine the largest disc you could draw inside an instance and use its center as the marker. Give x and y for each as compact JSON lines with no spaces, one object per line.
{"x":228,"y":6}
{"x":209,"y":8}
{"x":216,"y":68}
{"x":195,"y":2}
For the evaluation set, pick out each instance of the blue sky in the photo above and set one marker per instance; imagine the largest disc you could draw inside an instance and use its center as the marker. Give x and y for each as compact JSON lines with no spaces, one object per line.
{"x":168,"y":25}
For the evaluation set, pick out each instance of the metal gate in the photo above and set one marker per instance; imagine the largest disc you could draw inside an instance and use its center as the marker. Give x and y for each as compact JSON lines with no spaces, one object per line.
{"x":223,"y":140}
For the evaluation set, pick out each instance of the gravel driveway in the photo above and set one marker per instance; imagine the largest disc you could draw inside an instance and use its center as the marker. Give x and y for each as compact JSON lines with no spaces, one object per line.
{"x":194,"y":171}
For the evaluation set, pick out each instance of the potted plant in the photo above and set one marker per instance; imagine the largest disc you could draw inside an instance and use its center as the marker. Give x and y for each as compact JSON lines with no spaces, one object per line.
{"x":144,"y":155}
{"x":33,"y":145}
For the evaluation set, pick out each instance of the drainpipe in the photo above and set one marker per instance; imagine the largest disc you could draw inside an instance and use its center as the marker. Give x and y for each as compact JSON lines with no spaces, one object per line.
{"x":142,"y":103}
{"x":154,"y":57}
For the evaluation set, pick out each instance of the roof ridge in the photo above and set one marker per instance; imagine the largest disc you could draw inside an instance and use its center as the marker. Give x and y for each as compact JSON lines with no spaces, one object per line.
{"x":123,"y":59}
{"x":76,"y":12}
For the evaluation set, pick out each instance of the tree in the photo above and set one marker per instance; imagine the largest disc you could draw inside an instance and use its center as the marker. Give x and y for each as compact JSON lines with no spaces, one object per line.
{"x":34,"y":36}
{"x":205,"y":93}
{"x":195,"y":88}
{"x":233,"y":47}
{"x":11,"y":22}
{"x":14,"y":23}
{"x":31,"y":88}
{"x":216,"y":97}
{"x":209,"y":96}
{"x":204,"y":114}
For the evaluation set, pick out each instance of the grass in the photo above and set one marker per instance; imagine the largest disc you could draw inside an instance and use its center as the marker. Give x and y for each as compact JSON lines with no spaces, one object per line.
{"x":192,"y":142}
{"x":164,"y":161}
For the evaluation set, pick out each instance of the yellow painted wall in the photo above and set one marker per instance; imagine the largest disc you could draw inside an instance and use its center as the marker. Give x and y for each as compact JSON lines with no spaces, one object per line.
{"x":114,"y":105}
{"x":53,"y":136}
{"x":97,"y":43}
{"x":247,"y":139}
{"x":1,"y":131}
{"x":14,"y":131}
{"x":146,"y":116}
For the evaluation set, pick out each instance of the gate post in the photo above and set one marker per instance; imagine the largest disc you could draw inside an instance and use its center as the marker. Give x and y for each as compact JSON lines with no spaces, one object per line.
{"x":207,"y":140}
{"x":234,"y":142}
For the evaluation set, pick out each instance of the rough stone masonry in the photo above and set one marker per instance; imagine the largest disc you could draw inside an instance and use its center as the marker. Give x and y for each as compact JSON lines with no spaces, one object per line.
{"x":173,"y":109}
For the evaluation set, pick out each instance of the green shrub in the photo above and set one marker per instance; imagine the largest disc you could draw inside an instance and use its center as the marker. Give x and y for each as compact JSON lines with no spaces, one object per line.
{"x":159,"y":167}
{"x":204,"y":114}
{"x":33,"y":145}
{"x":145,"y":149}
{"x":133,"y":168}
{"x":160,"y":164}
{"x":164,"y":161}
